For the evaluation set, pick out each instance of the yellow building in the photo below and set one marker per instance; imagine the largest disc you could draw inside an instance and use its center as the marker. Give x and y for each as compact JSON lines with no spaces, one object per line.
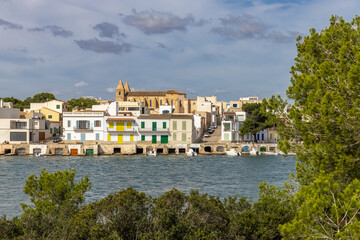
{"x":152,"y":99}
{"x":55,"y":119}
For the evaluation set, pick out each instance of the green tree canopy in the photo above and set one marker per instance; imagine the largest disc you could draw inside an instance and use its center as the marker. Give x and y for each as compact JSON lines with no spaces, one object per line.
{"x":42,"y":97}
{"x":55,"y":199}
{"x":81,"y":103}
{"x":256,"y":119}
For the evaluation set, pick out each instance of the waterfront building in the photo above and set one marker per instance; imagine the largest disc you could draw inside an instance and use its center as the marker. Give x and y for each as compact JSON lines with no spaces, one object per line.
{"x":182,"y":129}
{"x":121,"y":130}
{"x":236,"y":106}
{"x":14,"y":129}
{"x":151,"y":99}
{"x":83,"y":126}
{"x":154,"y":128}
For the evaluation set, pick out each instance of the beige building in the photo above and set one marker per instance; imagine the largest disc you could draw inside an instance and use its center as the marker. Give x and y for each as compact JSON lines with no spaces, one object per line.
{"x":182,"y":129}
{"x":14,"y":129}
{"x":55,"y":105}
{"x":236,"y":106}
{"x":151,"y":99}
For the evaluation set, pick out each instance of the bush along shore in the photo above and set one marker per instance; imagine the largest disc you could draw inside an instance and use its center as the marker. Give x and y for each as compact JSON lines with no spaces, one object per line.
{"x":58,"y":212}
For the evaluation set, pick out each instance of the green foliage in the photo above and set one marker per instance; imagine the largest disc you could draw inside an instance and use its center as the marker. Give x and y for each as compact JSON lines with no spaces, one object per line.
{"x":81,"y":103}
{"x":55,"y":198}
{"x":10,"y":229}
{"x":256,"y":119}
{"x":43,"y":97}
{"x":323,"y":124}
{"x":37,"y":98}
{"x":327,"y":209}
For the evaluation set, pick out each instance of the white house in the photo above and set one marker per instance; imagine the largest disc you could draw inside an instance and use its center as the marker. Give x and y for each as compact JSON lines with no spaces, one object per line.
{"x":154,"y":127}
{"x":14,"y":129}
{"x":55,"y":105}
{"x":84,"y":126}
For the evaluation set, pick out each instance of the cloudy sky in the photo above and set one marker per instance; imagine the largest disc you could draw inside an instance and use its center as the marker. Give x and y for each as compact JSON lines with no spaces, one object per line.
{"x":228,"y":48}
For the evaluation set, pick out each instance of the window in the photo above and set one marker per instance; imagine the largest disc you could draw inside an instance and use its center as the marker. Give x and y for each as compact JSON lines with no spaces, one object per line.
{"x":183,"y":125}
{"x":111,"y":124}
{"x":82,"y":124}
{"x":172,"y":102}
{"x":154,"y":127}
{"x":164,"y":124}
{"x":174,"y":125}
{"x":270,"y":136}
{"x":49,"y":116}
{"x":174,"y":136}
{"x":18,"y":136}
{"x":69,"y":123}
{"x":131,"y":137}
{"x":129,"y":125}
{"x":164,"y":139}
{"x":184,"y":137}
{"x":97,"y":136}
{"x":153,"y":139}
{"x":109,"y":138}
{"x":226,"y":127}
{"x":226,"y":137}
{"x":234,"y":105}
{"x":160,"y":102}
{"x":57,"y":106}
{"x":20,"y":125}
{"x":69,"y":136}
{"x":150,"y":103}
{"x":142,"y":137}
{"x":50,"y":130}
{"x":142,"y":124}
{"x":97,"y":123}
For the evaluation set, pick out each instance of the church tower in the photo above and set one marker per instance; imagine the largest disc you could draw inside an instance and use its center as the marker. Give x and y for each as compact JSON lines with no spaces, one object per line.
{"x":120,"y":92}
{"x":127,"y":88}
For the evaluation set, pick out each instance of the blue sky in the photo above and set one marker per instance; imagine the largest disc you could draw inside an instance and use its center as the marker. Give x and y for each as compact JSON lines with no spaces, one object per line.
{"x":228,"y":48}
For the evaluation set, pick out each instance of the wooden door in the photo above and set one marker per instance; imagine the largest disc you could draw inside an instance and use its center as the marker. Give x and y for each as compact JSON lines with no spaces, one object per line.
{"x":74,"y":152}
{"x":41,"y":136}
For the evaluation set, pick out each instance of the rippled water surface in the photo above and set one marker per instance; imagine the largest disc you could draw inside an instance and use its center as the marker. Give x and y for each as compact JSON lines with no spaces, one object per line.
{"x":216,"y":175}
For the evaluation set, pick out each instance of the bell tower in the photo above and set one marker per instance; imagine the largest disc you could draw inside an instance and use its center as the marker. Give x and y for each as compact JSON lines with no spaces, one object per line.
{"x":120,"y":92}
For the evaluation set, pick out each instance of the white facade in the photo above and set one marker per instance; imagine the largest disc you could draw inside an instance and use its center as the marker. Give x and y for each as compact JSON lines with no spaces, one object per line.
{"x":121,"y":129}
{"x":166,"y":109}
{"x":83,"y":126}
{"x":55,"y":105}
{"x":230,"y":131}
{"x":16,"y":130}
{"x":154,"y":128}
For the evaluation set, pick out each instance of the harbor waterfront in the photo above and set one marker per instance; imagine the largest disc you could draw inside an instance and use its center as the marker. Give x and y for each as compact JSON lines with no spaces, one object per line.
{"x":217,"y":175}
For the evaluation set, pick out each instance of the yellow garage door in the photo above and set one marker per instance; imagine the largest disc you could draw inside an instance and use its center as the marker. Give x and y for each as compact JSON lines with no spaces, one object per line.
{"x":120,"y":138}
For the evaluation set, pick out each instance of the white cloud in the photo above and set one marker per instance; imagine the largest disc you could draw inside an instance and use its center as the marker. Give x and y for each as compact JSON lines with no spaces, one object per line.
{"x":110,"y":90}
{"x":81,"y":84}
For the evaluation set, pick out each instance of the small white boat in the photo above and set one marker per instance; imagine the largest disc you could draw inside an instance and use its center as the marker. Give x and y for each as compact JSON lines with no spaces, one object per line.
{"x":253,"y":152}
{"x":270,"y":153}
{"x":191,"y":153}
{"x":288,"y":154}
{"x":151,"y":153}
{"x":233,"y":152}
{"x":39,"y":154}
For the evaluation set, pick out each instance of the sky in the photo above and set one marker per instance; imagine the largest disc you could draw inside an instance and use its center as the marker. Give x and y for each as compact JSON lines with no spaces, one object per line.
{"x":227,"y":48}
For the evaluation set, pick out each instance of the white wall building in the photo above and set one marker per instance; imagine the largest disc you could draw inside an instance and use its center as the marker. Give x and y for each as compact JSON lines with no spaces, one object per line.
{"x":15,"y":130}
{"x":84,"y":126}
{"x":121,"y":129}
{"x":55,"y":105}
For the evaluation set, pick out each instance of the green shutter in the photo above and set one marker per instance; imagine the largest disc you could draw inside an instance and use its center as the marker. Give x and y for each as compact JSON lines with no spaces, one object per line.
{"x":184,"y":137}
{"x":153,"y":138}
{"x":183,"y":125}
{"x":164,"y":139}
{"x":174,"y":136}
{"x":174,"y":125}
{"x":142,"y":124}
{"x":143,"y":138}
{"x":164,"y":124}
{"x":154,"y":126}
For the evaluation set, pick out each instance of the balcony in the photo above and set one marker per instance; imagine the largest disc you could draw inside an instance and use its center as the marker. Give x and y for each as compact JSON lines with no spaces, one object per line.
{"x":91,"y":128}
{"x":121,"y":130}
{"x":155,"y":130}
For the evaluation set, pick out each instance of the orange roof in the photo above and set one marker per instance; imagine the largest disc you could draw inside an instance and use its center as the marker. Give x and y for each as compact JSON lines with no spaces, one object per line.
{"x":121,"y":119}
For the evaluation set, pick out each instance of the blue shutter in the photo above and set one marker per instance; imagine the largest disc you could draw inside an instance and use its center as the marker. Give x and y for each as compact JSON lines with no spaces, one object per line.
{"x":88,"y":124}
{"x":99,"y":123}
{"x":77,"y":124}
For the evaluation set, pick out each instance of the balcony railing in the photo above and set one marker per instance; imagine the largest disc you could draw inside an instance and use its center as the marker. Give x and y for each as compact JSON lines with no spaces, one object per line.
{"x":121,"y":130}
{"x":91,"y":128}
{"x":154,"y":130}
